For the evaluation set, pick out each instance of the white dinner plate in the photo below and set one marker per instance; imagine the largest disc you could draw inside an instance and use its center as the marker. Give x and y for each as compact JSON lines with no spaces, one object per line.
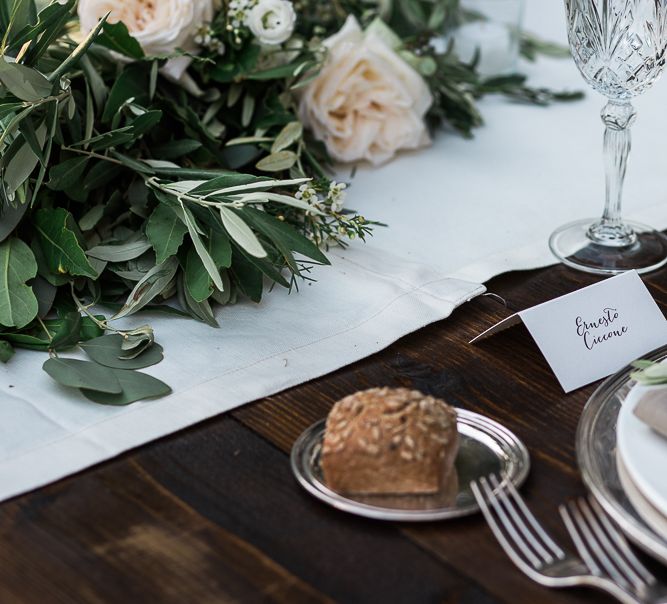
{"x":653,"y":518}
{"x":643,"y":451}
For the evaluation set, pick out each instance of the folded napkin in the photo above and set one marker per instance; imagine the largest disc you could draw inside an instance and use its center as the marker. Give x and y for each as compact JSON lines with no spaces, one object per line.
{"x":652,"y":410}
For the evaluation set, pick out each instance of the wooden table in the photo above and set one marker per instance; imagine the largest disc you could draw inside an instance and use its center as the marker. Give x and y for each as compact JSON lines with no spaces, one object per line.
{"x":213,"y":514}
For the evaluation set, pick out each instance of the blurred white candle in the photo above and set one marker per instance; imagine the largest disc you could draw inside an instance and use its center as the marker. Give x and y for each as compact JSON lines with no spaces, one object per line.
{"x":498,"y":48}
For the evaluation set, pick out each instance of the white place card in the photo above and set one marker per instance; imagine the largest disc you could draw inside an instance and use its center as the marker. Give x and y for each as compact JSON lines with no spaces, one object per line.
{"x":595,"y":331}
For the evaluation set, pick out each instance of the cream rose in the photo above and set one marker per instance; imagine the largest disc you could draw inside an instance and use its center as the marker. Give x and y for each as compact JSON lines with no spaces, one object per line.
{"x":367,"y":102}
{"x":272,"y":21}
{"x":160,"y":26}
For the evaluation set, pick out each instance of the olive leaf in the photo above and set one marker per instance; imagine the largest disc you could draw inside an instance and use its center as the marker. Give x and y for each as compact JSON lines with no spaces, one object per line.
{"x":137,"y":342}
{"x":201,"y":311}
{"x":150,"y":286}
{"x":117,"y":37}
{"x":24,"y":82}
{"x":241,"y":233}
{"x":18,"y":303}
{"x":120,"y":253}
{"x":284,"y":236}
{"x":197,"y":279}
{"x":21,"y":166}
{"x":67,"y":174}
{"x":277,"y":162}
{"x":90,"y":219}
{"x":202,"y":252}
{"x":288,"y":135}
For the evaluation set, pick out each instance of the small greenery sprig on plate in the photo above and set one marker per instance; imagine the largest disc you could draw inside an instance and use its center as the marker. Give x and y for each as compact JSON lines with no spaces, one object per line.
{"x":649,"y":373}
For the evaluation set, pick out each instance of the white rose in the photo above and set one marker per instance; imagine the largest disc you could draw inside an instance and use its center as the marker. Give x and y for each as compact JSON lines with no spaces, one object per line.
{"x":367,"y":102}
{"x":160,"y":26}
{"x":272,"y":21}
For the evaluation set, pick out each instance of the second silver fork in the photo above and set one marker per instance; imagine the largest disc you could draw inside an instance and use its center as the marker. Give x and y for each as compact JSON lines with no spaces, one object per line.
{"x":535,"y":552}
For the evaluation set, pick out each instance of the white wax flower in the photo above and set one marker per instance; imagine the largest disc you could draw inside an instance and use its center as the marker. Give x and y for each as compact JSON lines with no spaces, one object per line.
{"x":367,"y":102}
{"x":160,"y":26}
{"x":272,"y":21}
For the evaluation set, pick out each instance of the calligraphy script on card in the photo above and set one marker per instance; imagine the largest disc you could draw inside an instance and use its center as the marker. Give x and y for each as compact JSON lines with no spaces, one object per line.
{"x":595,"y":331}
{"x":606,"y":327}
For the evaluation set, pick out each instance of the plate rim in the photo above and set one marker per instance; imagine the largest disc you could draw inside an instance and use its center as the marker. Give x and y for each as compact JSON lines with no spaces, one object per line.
{"x":342,"y":503}
{"x":654,"y":496}
{"x":636,"y":529}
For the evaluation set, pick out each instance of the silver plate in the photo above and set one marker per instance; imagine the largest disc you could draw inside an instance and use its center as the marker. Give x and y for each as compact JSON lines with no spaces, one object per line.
{"x":596,"y":453}
{"x":485,"y":447}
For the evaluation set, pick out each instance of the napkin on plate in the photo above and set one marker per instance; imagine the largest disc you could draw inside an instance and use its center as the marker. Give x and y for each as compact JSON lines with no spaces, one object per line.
{"x":652,"y":410}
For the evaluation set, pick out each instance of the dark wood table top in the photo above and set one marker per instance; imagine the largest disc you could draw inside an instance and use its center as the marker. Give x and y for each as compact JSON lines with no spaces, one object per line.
{"x":213,"y":514}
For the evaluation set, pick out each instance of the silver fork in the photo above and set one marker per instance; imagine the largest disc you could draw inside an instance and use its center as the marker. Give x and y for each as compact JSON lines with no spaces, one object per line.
{"x":606,"y":551}
{"x":538,"y":556}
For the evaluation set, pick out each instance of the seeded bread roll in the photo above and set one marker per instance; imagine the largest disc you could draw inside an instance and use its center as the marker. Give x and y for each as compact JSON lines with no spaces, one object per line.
{"x":389,"y":441}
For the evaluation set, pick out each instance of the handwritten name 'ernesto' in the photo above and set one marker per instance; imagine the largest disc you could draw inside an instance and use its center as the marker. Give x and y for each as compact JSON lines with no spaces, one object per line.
{"x":602,"y":329}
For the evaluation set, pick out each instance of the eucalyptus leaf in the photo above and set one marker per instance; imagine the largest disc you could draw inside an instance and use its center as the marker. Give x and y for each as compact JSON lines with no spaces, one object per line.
{"x":6,"y":351}
{"x":83,"y":374}
{"x":62,"y":251}
{"x":136,"y":386}
{"x":45,"y":293}
{"x":10,"y":217}
{"x":18,"y":303}
{"x":108,"y":351}
{"x":69,"y":331}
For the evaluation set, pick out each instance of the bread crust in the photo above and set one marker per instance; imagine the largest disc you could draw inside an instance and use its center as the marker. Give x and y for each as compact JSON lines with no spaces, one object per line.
{"x":389,"y":441}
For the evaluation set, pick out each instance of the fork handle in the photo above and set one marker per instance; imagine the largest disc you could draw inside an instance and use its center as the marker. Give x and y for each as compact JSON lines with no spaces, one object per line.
{"x":618,"y":592}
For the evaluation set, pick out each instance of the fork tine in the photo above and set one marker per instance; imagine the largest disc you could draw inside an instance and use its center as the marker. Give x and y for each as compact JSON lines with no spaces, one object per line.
{"x":519,"y":522}
{"x":578,"y":540}
{"x":612,"y":552}
{"x":557,"y":551}
{"x":597,"y":549}
{"x":624,"y":549}
{"x":483,"y":493}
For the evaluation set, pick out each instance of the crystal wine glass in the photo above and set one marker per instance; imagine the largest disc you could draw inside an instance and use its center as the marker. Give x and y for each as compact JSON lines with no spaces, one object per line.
{"x":619,"y":48}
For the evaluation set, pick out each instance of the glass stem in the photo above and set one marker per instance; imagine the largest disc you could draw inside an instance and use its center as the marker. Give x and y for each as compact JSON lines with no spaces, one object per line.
{"x":610,"y":230}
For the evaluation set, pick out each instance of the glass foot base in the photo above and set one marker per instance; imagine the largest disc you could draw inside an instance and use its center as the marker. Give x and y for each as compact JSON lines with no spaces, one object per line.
{"x":573,"y":245}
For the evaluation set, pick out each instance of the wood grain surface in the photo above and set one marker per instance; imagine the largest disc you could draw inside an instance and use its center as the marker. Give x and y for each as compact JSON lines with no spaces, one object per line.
{"x":213,"y":514}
